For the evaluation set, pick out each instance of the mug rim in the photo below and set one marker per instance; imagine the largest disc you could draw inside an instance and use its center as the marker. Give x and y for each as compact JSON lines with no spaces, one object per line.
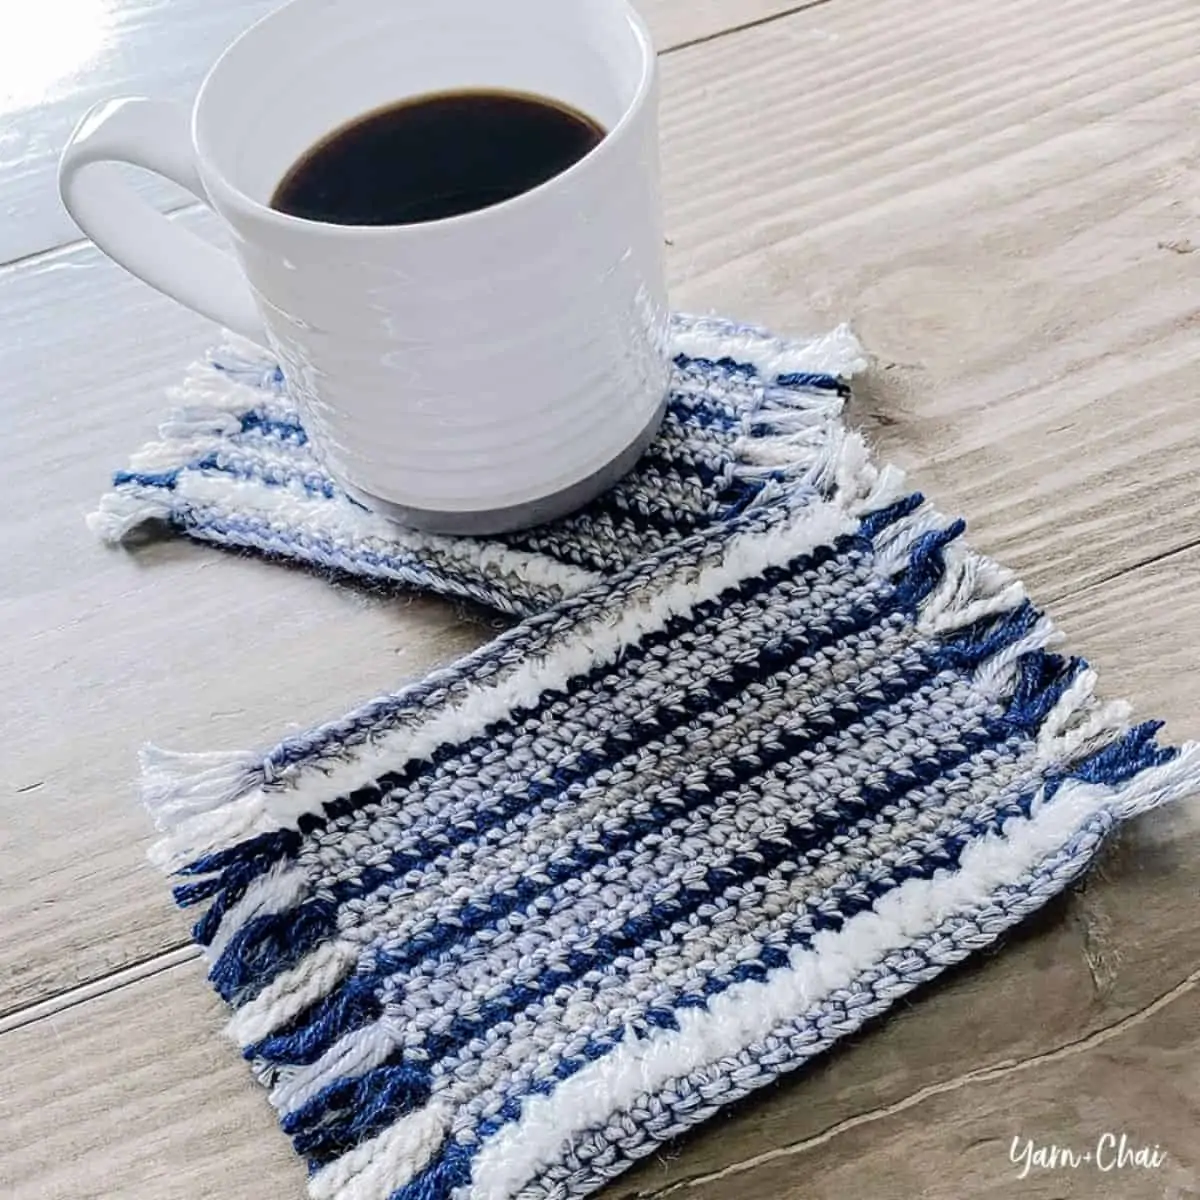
{"x":264,"y":212}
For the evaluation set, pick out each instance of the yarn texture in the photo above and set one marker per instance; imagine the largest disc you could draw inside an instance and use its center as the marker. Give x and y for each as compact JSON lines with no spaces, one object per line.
{"x":716,"y":800}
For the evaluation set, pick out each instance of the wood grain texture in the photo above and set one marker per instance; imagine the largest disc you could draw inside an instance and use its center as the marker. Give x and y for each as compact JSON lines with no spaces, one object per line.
{"x":70,"y":54}
{"x":135,"y":1095}
{"x":997,"y":195}
{"x":1005,"y":200}
{"x":1139,"y":1079}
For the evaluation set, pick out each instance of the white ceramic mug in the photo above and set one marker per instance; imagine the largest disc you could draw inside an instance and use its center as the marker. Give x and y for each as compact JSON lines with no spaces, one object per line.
{"x":474,"y":374}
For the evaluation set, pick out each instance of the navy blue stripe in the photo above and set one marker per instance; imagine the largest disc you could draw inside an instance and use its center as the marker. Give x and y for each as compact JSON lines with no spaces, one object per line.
{"x":719,"y":418}
{"x":267,"y":848}
{"x":267,"y":945}
{"x":165,"y":480}
{"x":254,"y":421}
{"x":354,"y":1108}
{"x":231,"y":877}
{"x":814,"y":381}
{"x":1119,"y":761}
{"x":725,"y":366}
{"x":926,"y":566}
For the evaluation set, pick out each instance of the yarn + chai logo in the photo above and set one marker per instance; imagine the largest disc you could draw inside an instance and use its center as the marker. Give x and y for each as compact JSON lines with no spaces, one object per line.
{"x":1110,"y":1152}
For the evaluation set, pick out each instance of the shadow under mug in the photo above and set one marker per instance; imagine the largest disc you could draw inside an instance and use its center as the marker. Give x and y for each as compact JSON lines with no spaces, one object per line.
{"x":475,"y":374}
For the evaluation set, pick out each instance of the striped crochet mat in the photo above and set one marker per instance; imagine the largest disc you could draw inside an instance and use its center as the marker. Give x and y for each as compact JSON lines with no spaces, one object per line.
{"x":769,"y":748}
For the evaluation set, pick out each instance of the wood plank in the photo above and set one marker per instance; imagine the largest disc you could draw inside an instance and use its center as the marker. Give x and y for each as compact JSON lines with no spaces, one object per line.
{"x":72,"y":53}
{"x":1060,"y":419}
{"x":1002,"y":198}
{"x":1141,"y":629}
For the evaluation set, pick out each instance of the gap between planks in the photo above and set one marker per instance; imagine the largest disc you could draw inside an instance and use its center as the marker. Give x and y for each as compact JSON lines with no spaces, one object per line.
{"x":769,"y":19}
{"x":49,"y":253}
{"x":165,"y":960}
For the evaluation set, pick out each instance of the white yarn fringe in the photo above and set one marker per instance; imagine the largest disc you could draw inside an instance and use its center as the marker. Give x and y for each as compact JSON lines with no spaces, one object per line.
{"x":179,"y":786}
{"x":122,"y":512}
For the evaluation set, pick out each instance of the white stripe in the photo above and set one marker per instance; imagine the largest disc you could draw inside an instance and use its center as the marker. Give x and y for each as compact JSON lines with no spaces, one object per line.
{"x":293,"y":511}
{"x":972,"y":587}
{"x":355,"y":1053}
{"x":281,"y":888}
{"x":837,"y":353}
{"x":1080,"y":722}
{"x":593,"y":643}
{"x":374,"y":1169}
{"x":290,"y":993}
{"x":749,"y":1012}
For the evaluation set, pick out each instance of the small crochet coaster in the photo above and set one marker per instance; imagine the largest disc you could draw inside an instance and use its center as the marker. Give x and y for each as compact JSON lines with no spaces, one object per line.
{"x":503,"y":932}
{"x":233,"y":467}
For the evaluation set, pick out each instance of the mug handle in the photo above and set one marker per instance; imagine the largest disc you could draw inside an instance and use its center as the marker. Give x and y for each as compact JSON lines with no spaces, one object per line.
{"x":155,"y":136}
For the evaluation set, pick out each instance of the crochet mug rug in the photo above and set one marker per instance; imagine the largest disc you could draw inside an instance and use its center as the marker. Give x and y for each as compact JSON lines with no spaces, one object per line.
{"x":501,"y":933}
{"x":234,"y":467}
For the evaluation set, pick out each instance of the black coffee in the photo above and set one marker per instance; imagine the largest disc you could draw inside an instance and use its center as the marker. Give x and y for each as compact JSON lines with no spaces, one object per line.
{"x":435,"y":156}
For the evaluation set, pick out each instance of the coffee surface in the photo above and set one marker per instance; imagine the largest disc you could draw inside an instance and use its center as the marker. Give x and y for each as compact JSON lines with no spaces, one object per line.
{"x":435,"y":156}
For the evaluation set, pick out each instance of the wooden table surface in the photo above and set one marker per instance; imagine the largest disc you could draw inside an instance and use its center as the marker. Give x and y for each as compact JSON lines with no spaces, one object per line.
{"x":1003,"y":197}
